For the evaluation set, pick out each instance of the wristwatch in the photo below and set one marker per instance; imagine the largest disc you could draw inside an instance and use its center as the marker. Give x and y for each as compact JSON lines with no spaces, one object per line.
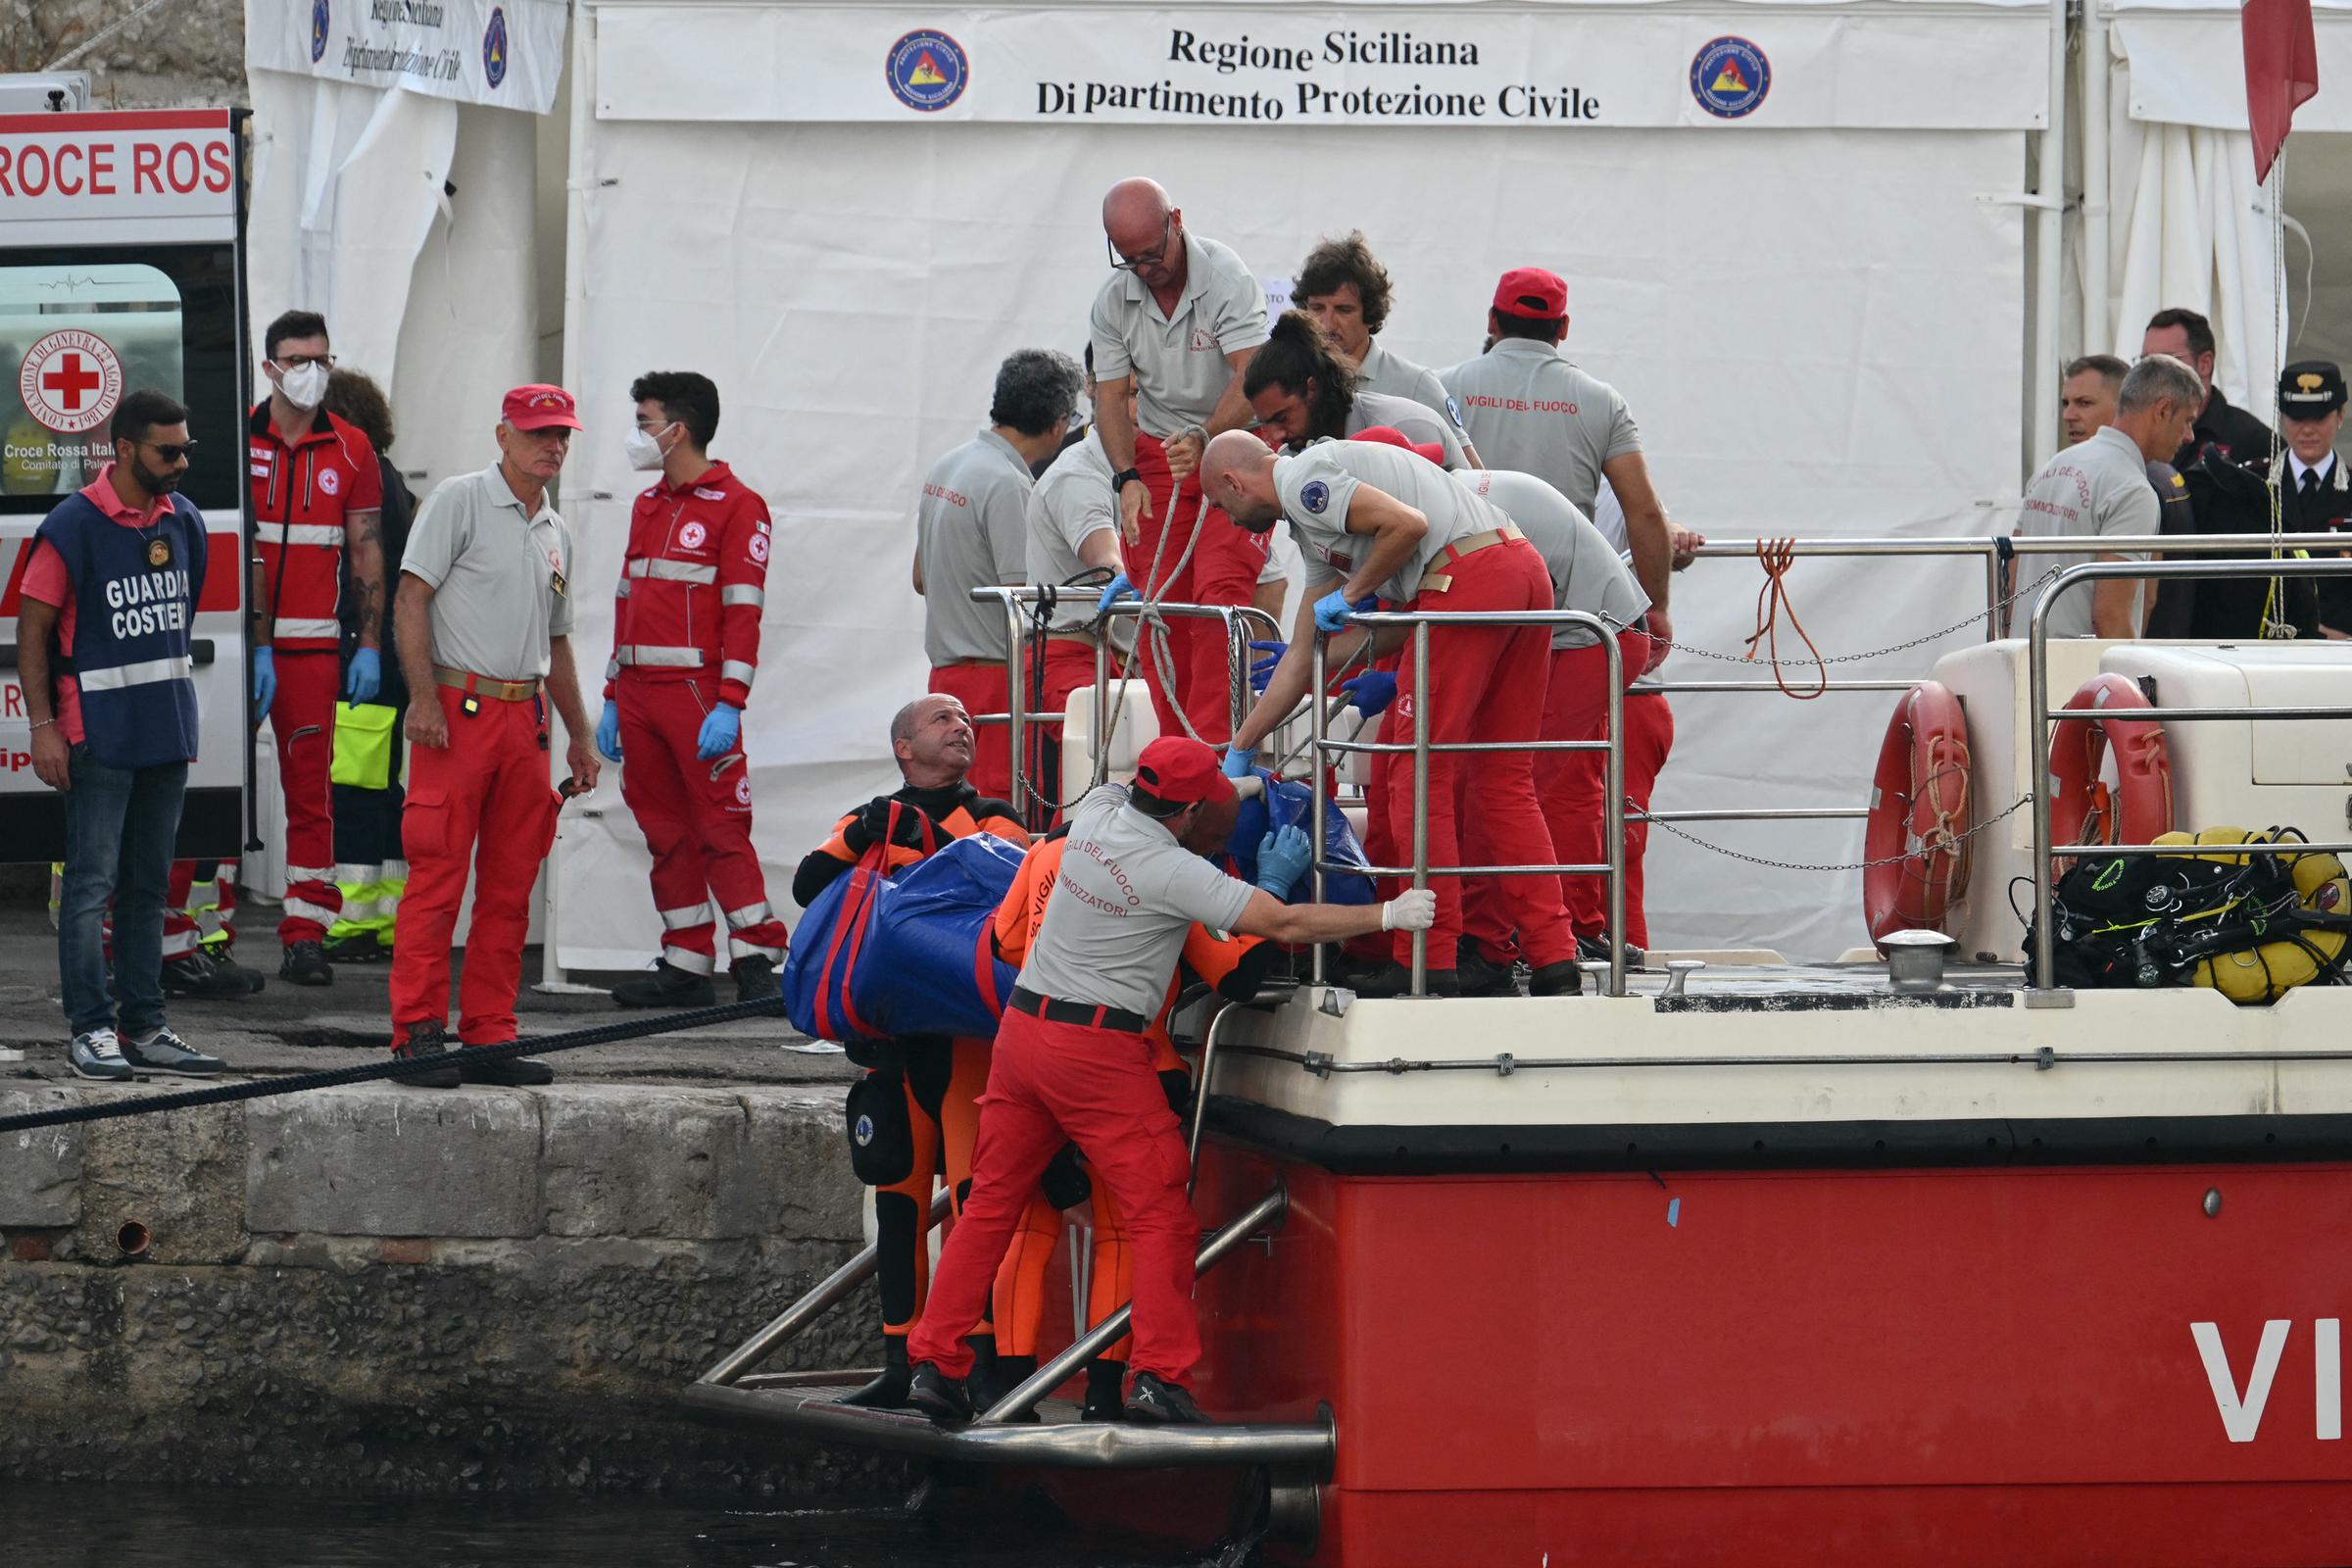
{"x":1124,"y":477}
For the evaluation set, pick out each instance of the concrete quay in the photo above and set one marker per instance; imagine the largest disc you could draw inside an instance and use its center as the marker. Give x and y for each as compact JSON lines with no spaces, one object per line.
{"x":375,"y":1288}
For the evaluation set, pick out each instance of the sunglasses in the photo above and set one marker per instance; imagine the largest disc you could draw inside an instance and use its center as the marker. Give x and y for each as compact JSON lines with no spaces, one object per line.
{"x":170,"y":452}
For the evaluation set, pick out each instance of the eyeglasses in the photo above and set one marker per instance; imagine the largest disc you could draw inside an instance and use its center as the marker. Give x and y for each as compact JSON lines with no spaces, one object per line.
{"x":1130,"y":263}
{"x":170,"y":452}
{"x":325,"y":362}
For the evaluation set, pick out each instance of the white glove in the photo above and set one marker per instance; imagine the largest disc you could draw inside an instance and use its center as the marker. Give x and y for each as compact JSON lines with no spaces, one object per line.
{"x":1415,"y":910}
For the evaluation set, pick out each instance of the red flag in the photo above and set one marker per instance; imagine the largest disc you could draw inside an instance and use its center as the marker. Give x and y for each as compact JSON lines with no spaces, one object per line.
{"x":2282,"y":71}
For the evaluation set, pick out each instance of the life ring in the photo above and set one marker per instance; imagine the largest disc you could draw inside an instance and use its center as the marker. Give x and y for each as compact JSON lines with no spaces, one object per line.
{"x":1917,"y":838}
{"x":2082,"y":809}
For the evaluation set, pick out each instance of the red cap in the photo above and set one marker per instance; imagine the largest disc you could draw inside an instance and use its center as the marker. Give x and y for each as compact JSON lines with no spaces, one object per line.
{"x":1388,"y":435}
{"x":1182,"y":771}
{"x":540,"y":408}
{"x":1532,"y":293}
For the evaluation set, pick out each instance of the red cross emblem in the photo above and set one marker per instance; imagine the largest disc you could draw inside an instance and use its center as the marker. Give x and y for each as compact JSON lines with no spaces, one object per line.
{"x":70,"y":381}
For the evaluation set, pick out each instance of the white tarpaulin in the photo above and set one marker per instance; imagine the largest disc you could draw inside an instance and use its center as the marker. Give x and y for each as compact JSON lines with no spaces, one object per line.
{"x":1820,"y":333}
{"x":1261,"y":67}
{"x":508,"y":54}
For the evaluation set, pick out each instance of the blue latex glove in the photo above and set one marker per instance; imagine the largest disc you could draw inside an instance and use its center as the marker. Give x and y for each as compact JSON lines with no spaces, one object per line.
{"x":1262,"y":670}
{"x":1238,"y":763}
{"x":717,"y":735}
{"x":1371,"y":692}
{"x":608,"y":731}
{"x":1118,"y":588}
{"x":264,"y":681}
{"x":1283,"y":858}
{"x":1333,"y":610}
{"x":365,"y":678}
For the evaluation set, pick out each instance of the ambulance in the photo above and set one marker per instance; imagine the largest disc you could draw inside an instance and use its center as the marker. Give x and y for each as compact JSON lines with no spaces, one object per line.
{"x":121,"y":266}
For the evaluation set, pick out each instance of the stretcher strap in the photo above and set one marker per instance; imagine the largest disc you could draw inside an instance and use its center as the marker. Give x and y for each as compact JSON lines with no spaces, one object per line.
{"x":984,"y":971}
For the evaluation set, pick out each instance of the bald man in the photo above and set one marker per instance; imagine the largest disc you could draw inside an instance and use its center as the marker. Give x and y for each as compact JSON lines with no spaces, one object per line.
{"x":1377,"y":521}
{"x":1177,"y":322}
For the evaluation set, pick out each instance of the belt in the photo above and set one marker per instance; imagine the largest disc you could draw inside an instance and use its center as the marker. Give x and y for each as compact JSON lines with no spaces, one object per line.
{"x":1438,"y":582}
{"x":505,"y":690}
{"x":961,"y":663}
{"x":1084,"y":1014}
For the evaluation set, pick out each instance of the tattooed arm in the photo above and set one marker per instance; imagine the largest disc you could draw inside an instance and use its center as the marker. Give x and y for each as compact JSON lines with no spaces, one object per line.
{"x":364,"y":539}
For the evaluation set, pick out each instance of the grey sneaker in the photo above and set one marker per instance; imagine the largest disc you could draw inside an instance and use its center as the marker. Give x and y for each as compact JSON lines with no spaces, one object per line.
{"x":164,"y":1052}
{"x":98,"y":1054}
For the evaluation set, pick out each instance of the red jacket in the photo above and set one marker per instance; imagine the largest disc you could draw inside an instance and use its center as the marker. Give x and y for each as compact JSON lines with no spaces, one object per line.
{"x":301,"y":494}
{"x":692,"y":586}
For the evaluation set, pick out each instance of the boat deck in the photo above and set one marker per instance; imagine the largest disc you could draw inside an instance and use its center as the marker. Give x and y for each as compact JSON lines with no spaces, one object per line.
{"x":804,"y":1405}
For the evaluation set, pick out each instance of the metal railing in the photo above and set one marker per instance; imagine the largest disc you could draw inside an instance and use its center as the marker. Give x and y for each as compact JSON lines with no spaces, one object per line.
{"x":1322,"y":747}
{"x":2045,"y":955}
{"x":1242,"y":622}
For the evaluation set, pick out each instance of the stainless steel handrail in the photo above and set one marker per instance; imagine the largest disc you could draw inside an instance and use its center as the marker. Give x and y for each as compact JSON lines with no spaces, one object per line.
{"x":2038,"y":655}
{"x":1418,"y":622}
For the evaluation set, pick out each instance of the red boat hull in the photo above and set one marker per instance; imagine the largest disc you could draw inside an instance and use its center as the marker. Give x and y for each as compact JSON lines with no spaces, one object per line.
{"x":1761,"y":1368}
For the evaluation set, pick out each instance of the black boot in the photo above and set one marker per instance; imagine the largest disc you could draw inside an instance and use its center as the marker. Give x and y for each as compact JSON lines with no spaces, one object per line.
{"x":305,"y":963}
{"x":943,"y":1398}
{"x":1393,"y":979}
{"x":1561,"y":979}
{"x":1006,"y":1374}
{"x":1106,"y":1391}
{"x":888,"y":1391}
{"x":1480,"y":975}
{"x":1596,"y":950}
{"x":754,"y":979}
{"x":668,"y":986}
{"x":1163,"y":1403}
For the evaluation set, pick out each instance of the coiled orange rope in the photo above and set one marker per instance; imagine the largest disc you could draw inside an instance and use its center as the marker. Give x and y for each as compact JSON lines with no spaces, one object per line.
{"x":1776,"y":556}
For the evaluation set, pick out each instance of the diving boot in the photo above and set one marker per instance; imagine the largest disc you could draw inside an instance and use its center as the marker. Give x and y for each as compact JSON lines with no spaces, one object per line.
{"x":945,"y":1400}
{"x":1393,"y":979}
{"x":1163,"y":1403}
{"x":754,"y":979}
{"x":1006,"y":1373}
{"x":888,"y":1391}
{"x":1106,"y":1391}
{"x":667,"y":986}
{"x":1480,"y":975}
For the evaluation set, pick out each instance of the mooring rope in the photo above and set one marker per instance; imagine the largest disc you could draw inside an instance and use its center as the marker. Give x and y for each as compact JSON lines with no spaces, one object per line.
{"x":393,"y":1068}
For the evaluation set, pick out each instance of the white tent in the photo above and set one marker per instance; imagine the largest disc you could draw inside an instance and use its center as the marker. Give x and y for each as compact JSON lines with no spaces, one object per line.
{"x":1818,"y":309}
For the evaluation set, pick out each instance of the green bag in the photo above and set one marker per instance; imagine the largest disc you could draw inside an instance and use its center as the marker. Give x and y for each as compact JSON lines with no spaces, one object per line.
{"x":363,"y":745}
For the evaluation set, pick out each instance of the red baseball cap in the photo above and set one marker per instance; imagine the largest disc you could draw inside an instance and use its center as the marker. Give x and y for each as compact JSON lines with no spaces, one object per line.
{"x":1182,"y":771}
{"x":1532,"y":293}
{"x":539,"y":408}
{"x":1388,"y":435}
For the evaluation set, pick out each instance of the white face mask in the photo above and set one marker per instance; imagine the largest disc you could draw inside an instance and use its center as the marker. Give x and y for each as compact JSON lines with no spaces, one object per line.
{"x":644,"y":447}
{"x":305,"y":385}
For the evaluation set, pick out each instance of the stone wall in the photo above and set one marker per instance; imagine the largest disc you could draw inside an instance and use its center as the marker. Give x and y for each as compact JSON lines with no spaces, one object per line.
{"x":183,"y":54}
{"x":390,"y":1290}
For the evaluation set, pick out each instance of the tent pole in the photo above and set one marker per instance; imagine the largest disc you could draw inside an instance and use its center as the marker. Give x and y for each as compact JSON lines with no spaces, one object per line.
{"x":2098,"y":304}
{"x":2049,"y":226}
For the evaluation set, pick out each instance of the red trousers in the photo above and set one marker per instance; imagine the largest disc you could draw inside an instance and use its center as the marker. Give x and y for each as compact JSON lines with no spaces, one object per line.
{"x":979,"y":685}
{"x":482,"y":803}
{"x":697,"y":820}
{"x":302,"y":715}
{"x":1486,"y":683}
{"x":1223,"y":571}
{"x":1577,"y":709}
{"x":1051,"y":1084}
{"x":1069,"y":664}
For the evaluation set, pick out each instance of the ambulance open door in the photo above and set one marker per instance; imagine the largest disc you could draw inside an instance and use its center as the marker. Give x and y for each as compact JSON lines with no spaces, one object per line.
{"x":120,"y":269}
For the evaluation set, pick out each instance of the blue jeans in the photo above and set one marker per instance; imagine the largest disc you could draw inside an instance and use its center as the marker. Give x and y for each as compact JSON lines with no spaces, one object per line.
{"x":119,"y":826}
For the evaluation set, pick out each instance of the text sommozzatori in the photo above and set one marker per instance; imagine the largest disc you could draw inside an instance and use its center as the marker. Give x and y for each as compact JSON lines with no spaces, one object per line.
{"x":1305,"y":98}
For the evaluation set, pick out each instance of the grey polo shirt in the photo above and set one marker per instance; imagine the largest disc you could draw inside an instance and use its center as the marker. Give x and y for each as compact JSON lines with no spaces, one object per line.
{"x":501,"y":576}
{"x":971,"y":528}
{"x":2099,"y":486}
{"x":1399,"y":377}
{"x":1072,"y":500}
{"x":1178,"y":361}
{"x":1529,"y":409}
{"x":1316,"y":487}
{"x":1409,"y":418}
{"x":1127,"y":895}
{"x":1586,"y":573}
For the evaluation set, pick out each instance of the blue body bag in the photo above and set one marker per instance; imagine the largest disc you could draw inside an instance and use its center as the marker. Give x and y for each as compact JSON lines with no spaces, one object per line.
{"x":929,"y":966}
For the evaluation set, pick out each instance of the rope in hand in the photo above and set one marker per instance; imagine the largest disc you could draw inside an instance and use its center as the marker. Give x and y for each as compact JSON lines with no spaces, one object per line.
{"x":393,"y":1068}
{"x":1777,"y":556}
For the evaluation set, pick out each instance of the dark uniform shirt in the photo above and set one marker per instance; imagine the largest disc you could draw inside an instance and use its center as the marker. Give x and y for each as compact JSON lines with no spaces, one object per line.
{"x":2324,"y":508}
{"x":2223,"y":426}
{"x":2169,"y":616}
{"x":2230,"y":499}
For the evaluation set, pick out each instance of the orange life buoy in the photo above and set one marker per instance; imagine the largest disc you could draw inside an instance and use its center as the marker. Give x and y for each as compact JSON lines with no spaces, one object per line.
{"x":2082,"y":809}
{"x":1917,"y":837}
